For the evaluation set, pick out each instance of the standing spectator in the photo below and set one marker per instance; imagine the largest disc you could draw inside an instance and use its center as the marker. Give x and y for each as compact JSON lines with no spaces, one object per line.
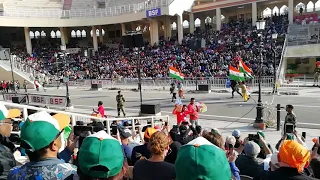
{"x":100,"y":157}
{"x":100,"y":109}
{"x":41,"y":136}
{"x":293,"y":158}
{"x":248,"y":163}
{"x":125,"y":134}
{"x":120,"y":103}
{"x":7,"y":160}
{"x":155,"y":167}
{"x":199,"y":159}
{"x":194,"y":112}
{"x":25,"y":84}
{"x":142,"y":151}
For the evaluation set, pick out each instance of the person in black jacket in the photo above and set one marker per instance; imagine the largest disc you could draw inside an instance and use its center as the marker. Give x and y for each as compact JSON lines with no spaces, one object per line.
{"x":184,"y":135}
{"x":234,"y":87}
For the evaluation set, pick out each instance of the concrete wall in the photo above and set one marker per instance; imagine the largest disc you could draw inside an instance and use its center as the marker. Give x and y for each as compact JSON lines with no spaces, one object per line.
{"x":311,"y":50}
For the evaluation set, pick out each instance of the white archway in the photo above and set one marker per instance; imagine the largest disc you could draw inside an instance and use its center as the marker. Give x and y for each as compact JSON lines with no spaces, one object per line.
{"x":317,"y":5}
{"x":145,"y":29}
{"x":267,"y":12}
{"x":83,"y":33}
{"x":185,"y":24}
{"x":43,"y":34}
{"x":58,"y":34}
{"x":310,"y":6}
{"x":73,"y":34}
{"x":300,"y":5}
{"x":37,"y":34}
{"x":78,"y":34}
{"x":197,"y":22}
{"x":53,"y":34}
{"x":284,"y":10}
{"x":208,"y":20}
{"x":275,"y":10}
{"x":138,"y":28}
{"x":103,"y":32}
{"x":31,"y":34}
{"x":174,"y":26}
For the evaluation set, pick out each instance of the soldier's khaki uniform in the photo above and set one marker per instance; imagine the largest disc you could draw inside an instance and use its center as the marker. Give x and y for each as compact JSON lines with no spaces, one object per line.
{"x":120,"y":103}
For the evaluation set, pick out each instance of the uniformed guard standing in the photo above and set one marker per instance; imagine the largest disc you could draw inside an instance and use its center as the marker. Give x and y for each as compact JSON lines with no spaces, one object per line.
{"x":316,"y":76}
{"x":120,"y":103}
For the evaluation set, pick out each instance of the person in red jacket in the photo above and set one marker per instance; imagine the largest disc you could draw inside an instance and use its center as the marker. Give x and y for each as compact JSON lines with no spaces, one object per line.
{"x":194,"y":112}
{"x":181,"y":115}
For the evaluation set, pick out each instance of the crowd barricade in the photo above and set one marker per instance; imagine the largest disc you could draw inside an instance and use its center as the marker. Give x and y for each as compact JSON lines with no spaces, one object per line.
{"x":188,"y":83}
{"x":155,"y":120}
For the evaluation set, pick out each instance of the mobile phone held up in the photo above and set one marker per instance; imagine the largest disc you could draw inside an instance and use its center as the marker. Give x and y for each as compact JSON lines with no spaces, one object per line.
{"x":253,"y":137}
{"x":82,"y":132}
{"x":289,"y":128}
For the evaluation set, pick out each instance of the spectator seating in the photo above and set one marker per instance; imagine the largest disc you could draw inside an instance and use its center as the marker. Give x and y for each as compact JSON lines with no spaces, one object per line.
{"x":307,"y":19}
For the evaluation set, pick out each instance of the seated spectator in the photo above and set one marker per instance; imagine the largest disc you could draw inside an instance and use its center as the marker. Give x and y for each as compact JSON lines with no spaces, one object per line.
{"x":262,"y":153}
{"x":42,"y":137}
{"x":125,"y":134}
{"x":7,"y":160}
{"x":215,"y":138}
{"x":142,"y":152}
{"x":236,"y":134}
{"x":100,"y":157}
{"x":200,"y":159}
{"x":249,"y":163}
{"x":155,"y":167}
{"x":172,"y":154}
{"x":315,"y":165}
{"x":293,"y":158}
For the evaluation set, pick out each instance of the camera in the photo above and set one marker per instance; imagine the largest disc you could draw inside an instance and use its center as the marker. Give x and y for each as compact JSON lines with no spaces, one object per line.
{"x":289,"y":128}
{"x":253,"y":137}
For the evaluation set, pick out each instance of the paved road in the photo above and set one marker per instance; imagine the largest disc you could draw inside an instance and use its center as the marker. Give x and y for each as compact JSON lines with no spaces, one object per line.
{"x":220,"y":105}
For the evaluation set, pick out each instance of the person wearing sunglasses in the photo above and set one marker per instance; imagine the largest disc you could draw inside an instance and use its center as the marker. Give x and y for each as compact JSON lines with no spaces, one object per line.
{"x":41,"y":137}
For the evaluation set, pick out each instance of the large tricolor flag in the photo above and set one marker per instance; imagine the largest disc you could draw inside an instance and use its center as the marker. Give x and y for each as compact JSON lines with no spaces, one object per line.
{"x":244,"y":69}
{"x":174,"y":73}
{"x":235,"y":74}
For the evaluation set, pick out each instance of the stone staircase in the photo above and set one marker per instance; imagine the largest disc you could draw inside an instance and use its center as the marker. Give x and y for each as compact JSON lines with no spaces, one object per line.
{"x":21,"y":72}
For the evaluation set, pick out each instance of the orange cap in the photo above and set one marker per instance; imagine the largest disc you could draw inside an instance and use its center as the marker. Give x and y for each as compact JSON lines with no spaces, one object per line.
{"x":148,"y":133}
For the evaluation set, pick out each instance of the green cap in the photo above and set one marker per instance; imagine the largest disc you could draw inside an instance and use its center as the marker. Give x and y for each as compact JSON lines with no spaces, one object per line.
{"x":41,"y":129}
{"x":100,"y":149}
{"x":5,"y":113}
{"x":200,"y":159}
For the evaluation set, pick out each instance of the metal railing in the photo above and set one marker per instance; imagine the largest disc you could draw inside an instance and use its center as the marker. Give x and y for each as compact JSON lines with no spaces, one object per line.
{"x":84,"y":13}
{"x":87,"y":118}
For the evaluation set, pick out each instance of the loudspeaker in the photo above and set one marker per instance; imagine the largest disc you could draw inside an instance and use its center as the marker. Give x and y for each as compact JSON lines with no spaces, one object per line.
{"x":19,"y":99}
{"x":151,"y":109}
{"x":204,"y":87}
{"x":132,"y":40}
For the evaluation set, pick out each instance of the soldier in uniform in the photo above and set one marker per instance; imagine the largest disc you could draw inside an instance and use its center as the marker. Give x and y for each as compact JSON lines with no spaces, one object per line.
{"x":316,"y":76}
{"x":120,"y":103}
{"x":290,"y":117}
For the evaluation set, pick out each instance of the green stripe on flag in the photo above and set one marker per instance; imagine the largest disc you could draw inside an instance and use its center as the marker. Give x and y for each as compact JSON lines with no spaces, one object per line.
{"x":176,"y":76}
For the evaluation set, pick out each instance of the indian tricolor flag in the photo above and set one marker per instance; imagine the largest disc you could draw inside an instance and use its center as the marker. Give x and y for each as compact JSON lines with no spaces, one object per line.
{"x":174,"y":73}
{"x":244,"y":68}
{"x":235,"y":74}
{"x":5,"y":113}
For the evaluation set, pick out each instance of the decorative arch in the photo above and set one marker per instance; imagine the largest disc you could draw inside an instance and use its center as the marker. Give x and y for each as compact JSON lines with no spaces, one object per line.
{"x":197,"y":22}
{"x":31,"y":34}
{"x":43,"y":34}
{"x":300,"y":5}
{"x":37,"y":34}
{"x":138,"y":28}
{"x":174,"y":26}
{"x":223,"y":18}
{"x":53,"y":34}
{"x":310,"y":6}
{"x":284,"y":10}
{"x":73,"y":34}
{"x":145,"y":29}
{"x":83,"y":33}
{"x":185,"y":24}
{"x":103,"y":32}
{"x":208,"y":20}
{"x":317,"y":5}
{"x":78,"y":34}
{"x":267,"y":12}
{"x":58,"y":34}
{"x":275,"y":10}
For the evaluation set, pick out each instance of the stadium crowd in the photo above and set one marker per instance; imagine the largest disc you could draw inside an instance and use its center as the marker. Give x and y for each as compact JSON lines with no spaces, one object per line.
{"x":183,"y":152}
{"x":237,"y":39}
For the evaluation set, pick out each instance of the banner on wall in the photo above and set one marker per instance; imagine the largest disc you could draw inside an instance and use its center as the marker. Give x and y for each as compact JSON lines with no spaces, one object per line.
{"x":153,"y":12}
